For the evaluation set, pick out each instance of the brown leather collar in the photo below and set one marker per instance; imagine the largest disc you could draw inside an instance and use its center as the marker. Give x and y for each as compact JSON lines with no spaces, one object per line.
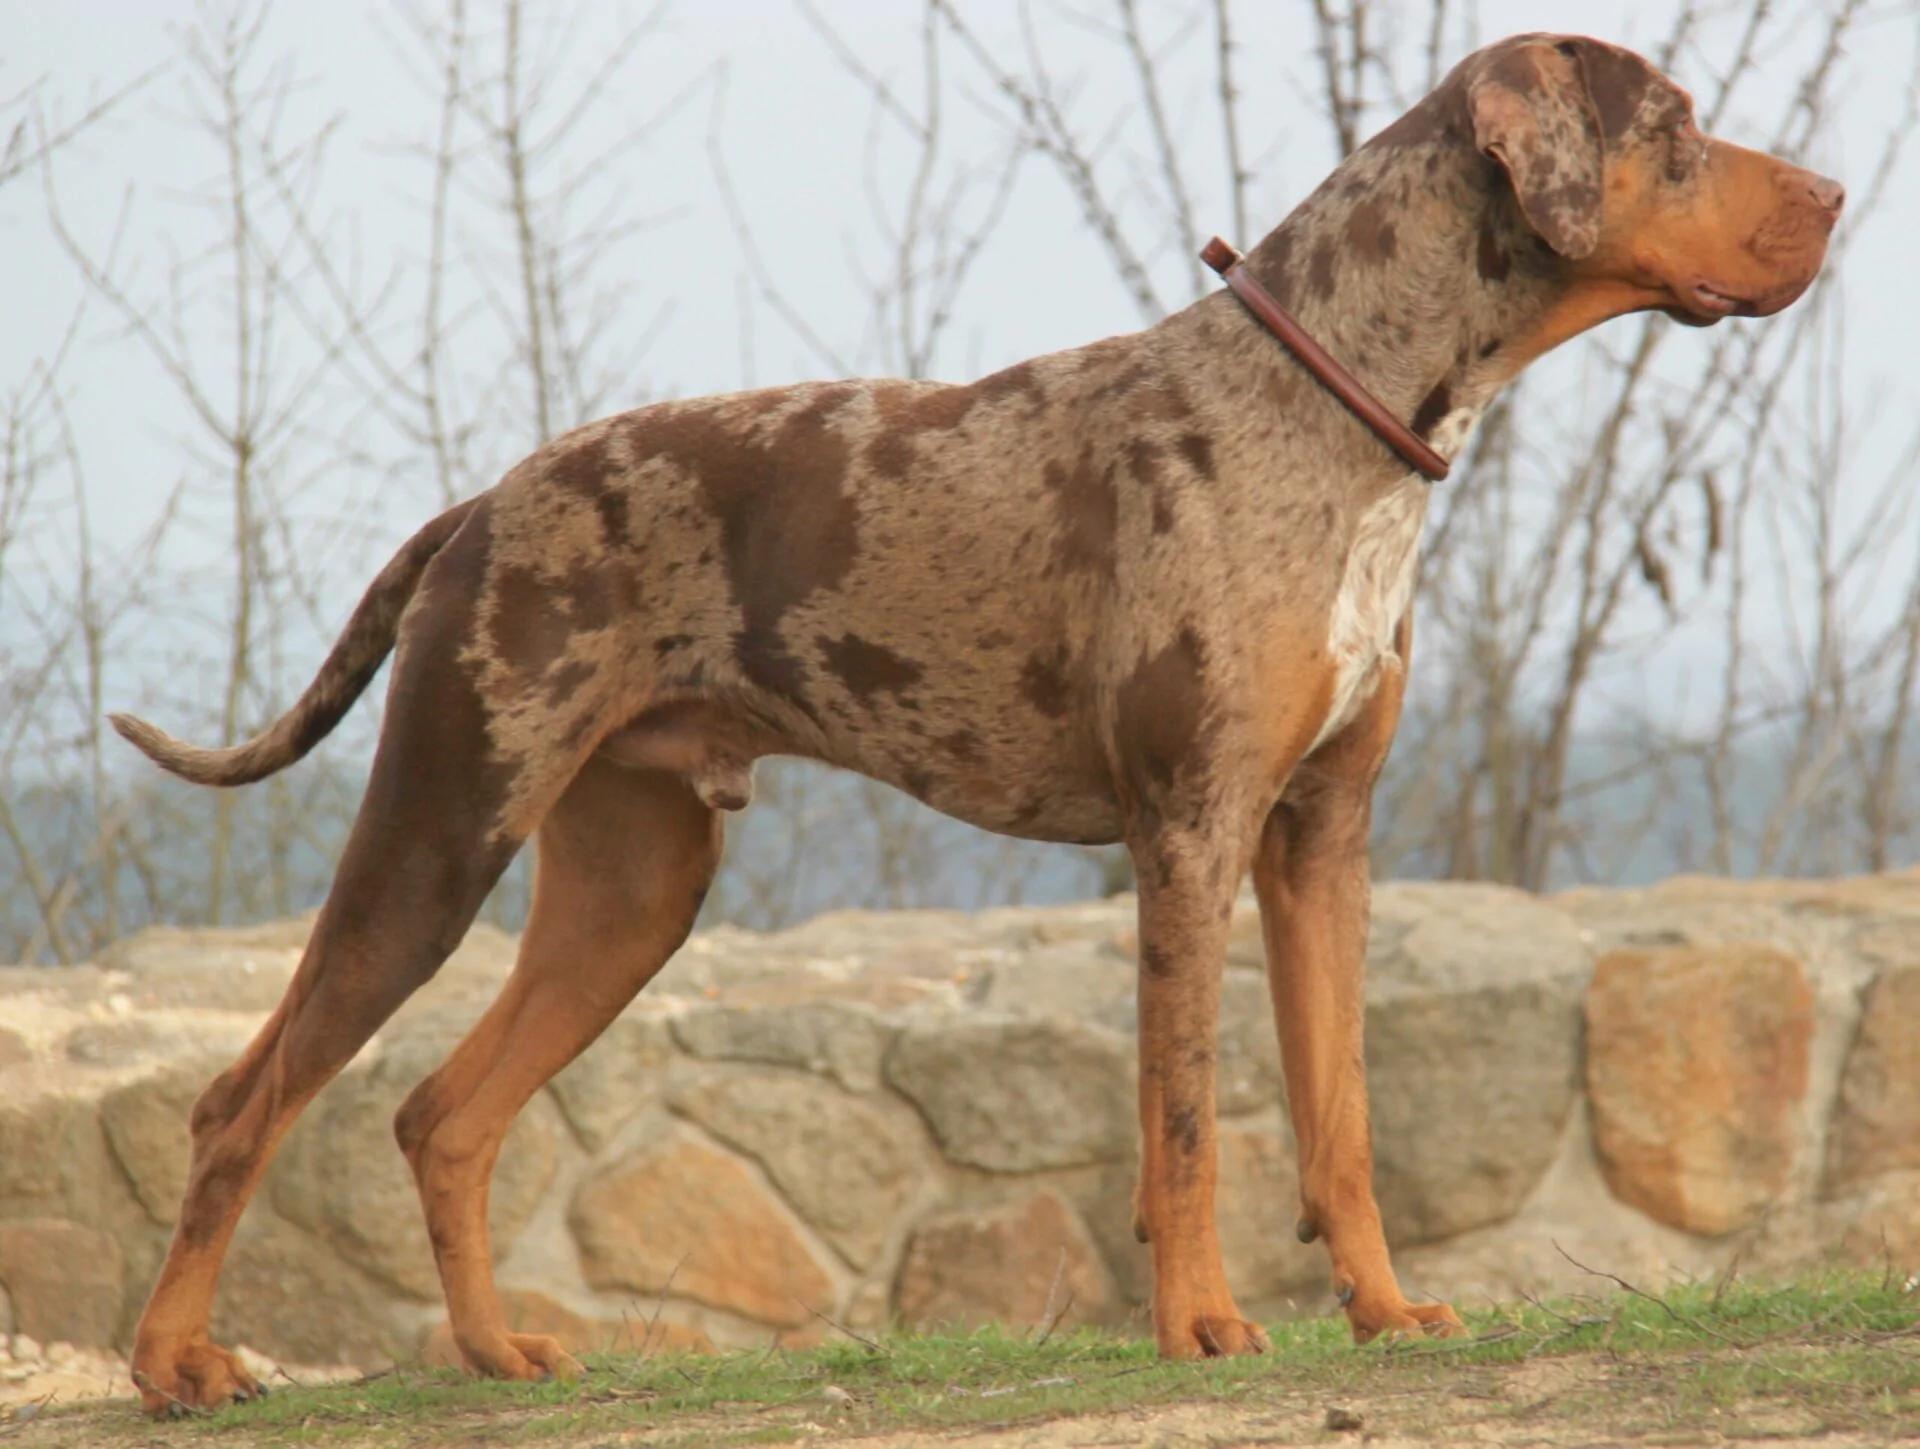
{"x":1317,"y":360}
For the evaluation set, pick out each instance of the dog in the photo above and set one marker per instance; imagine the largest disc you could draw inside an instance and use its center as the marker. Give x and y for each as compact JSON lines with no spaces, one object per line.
{"x":1155,"y":590}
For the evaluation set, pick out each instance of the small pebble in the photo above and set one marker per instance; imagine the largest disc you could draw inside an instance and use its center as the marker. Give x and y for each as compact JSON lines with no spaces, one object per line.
{"x":25,"y":1350}
{"x":60,"y":1352}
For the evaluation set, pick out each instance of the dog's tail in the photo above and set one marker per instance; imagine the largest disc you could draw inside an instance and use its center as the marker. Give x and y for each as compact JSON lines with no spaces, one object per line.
{"x":357,"y":655}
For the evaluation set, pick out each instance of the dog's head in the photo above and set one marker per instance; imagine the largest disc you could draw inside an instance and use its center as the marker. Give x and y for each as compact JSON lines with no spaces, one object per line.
{"x":1609,"y":167}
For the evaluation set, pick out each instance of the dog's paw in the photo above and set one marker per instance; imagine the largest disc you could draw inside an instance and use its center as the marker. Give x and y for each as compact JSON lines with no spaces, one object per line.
{"x":1229,"y":1337}
{"x":189,"y":1377}
{"x":549,"y":1360}
{"x":1370,"y":1321}
{"x":525,"y":1357}
{"x":1210,"y":1335}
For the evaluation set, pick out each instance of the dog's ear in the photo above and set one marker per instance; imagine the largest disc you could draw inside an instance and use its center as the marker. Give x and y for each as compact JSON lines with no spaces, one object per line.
{"x":1532,"y":114}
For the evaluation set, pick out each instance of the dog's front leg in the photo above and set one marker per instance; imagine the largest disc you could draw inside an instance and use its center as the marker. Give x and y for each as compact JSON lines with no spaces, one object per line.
{"x":1186,"y":896}
{"x":1312,"y":878}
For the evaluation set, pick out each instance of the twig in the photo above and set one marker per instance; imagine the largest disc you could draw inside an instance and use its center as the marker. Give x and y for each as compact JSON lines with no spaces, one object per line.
{"x":660,"y":1306}
{"x":1665,"y":1307}
{"x":1552,"y":1313}
{"x":1407,"y":1345}
{"x":879,"y":1348}
{"x":1046,"y":1308}
{"x":1238,"y":175}
{"x":396,"y":1369}
{"x":1048,"y":1383}
{"x":142,"y":1381}
{"x":1726,"y":1279}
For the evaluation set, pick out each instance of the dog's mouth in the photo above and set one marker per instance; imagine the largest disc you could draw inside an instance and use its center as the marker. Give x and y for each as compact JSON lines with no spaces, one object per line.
{"x":1701,"y":304}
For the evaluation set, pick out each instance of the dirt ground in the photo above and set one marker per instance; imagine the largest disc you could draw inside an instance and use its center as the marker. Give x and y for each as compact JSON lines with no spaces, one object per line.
{"x":1833,"y":1362}
{"x":1588,"y":1401}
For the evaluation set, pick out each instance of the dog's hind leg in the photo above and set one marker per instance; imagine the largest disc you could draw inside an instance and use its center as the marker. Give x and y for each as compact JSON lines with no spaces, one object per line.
{"x":624,"y":860}
{"x":427,"y":845}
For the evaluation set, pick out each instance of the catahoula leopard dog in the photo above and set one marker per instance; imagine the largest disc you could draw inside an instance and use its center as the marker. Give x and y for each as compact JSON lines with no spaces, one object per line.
{"x":1154,"y":590}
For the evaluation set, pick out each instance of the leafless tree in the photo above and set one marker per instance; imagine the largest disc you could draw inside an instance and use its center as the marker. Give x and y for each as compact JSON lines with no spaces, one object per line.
{"x":1719,"y":510}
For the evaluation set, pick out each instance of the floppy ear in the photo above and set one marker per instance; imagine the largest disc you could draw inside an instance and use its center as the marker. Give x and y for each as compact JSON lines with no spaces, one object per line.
{"x":1532,"y":114}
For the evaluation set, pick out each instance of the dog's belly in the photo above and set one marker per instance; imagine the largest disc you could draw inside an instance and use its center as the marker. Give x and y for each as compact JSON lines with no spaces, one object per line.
{"x":1047,"y":784}
{"x":1047,"y":787}
{"x":1057,"y":816}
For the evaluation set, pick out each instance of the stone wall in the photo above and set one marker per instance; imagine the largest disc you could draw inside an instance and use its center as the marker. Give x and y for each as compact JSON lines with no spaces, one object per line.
{"x":929,"y":1117}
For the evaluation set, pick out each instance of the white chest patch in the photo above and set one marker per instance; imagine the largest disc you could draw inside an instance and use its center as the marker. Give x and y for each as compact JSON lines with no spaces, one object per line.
{"x":1377,"y":587}
{"x":1450,"y":434}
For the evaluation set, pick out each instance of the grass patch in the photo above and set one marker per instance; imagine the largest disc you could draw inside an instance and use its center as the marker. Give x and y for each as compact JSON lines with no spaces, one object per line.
{"x":1834,"y":1355}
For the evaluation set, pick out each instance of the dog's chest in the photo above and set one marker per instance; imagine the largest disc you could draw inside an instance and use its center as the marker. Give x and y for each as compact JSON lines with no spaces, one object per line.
{"x":1375,"y":591}
{"x":1376,"y":587}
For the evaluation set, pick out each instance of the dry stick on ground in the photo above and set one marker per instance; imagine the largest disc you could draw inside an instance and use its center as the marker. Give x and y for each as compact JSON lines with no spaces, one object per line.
{"x":175,"y":1407}
{"x":660,"y":1306}
{"x":833,"y":1323}
{"x":1048,"y":1317}
{"x":1675,"y":1314}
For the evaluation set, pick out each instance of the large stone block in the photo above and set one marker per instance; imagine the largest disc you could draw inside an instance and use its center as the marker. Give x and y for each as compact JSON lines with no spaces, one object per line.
{"x":341,"y":1175}
{"x":1697,"y":1065}
{"x":683,"y":1220}
{"x":617,"y":1076}
{"x":1877,"y":1226}
{"x":1257,"y":1205}
{"x":1249,"y":1078}
{"x":1876,"y":1128}
{"x":839,"y":1029}
{"x":242,"y":968}
{"x":148,"y":1126}
{"x":33,"y":1125}
{"x":290,"y":1296}
{"x":1078,"y":981}
{"x":163,"y":1038}
{"x":1018,"y":1096}
{"x":844,"y":1165}
{"x":54,"y":1157}
{"x":1021,"y":1265}
{"x":1473,"y":1052}
{"x":65,"y":1280}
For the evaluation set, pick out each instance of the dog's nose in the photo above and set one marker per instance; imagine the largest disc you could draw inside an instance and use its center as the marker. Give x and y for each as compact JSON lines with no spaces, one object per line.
{"x":1829,"y":193}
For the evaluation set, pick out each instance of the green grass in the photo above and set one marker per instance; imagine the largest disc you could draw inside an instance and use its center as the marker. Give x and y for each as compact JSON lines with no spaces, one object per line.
{"x":1839,"y":1354}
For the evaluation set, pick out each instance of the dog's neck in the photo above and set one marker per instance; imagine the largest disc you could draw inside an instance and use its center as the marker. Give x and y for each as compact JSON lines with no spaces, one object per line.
{"x":1412,"y":265}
